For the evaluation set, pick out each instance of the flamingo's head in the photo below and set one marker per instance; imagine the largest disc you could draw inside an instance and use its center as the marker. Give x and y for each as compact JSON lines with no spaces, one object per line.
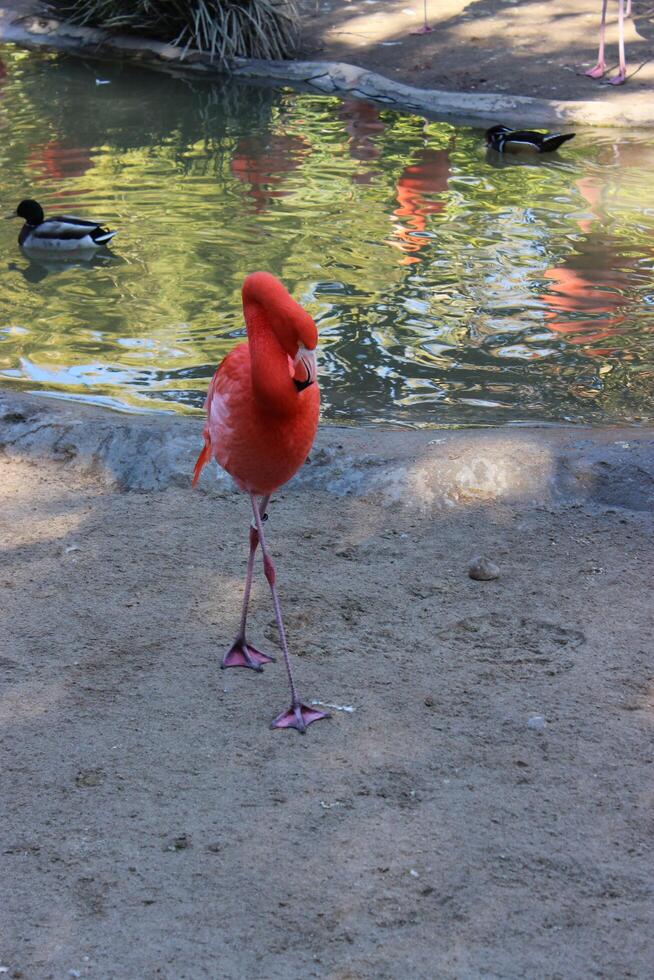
{"x":293,"y":327}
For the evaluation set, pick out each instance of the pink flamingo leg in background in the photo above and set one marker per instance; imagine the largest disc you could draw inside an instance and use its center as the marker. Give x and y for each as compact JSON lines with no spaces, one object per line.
{"x":425,"y":29}
{"x":622,"y":73}
{"x":241,"y":653}
{"x":600,"y":67}
{"x":624,"y":9}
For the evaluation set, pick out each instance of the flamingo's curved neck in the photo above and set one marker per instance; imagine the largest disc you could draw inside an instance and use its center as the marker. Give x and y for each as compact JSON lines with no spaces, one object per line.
{"x":272,"y":382}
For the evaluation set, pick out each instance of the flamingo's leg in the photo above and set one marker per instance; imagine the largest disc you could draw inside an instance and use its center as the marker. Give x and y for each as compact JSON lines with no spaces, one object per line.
{"x":622,"y":72}
{"x":600,"y":67}
{"x":627,"y":11}
{"x":425,"y":29}
{"x":241,"y":653}
{"x":299,"y":715}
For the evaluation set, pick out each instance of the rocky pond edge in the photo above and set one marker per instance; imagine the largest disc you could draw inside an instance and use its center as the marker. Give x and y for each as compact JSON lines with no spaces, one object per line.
{"x":604,"y":466}
{"x":44,"y":30}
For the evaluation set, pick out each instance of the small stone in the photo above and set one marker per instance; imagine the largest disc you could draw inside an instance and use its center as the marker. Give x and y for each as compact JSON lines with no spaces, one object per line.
{"x":483,"y":569}
{"x":90,"y":777}
{"x":429,"y":701}
{"x":537,"y":722}
{"x":180,"y":843}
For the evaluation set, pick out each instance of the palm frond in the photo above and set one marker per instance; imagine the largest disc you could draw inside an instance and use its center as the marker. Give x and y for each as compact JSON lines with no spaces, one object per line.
{"x":223,"y":29}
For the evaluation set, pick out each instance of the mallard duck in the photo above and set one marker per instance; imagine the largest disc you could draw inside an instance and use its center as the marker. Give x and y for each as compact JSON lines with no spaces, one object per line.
{"x":505,"y":140}
{"x":62,"y":233}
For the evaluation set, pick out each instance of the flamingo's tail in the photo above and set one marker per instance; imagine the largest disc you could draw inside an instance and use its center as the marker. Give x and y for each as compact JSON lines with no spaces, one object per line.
{"x":203,"y":458}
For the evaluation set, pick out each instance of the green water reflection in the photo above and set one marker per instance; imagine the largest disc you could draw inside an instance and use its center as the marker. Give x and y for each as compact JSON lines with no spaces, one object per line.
{"x":446,"y":289}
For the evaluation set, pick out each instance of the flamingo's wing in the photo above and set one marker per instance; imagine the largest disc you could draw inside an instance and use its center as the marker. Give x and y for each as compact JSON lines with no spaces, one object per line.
{"x":230,"y":372}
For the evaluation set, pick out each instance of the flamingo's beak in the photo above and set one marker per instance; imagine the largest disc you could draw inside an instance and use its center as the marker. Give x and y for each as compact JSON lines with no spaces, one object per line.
{"x":306,"y":370}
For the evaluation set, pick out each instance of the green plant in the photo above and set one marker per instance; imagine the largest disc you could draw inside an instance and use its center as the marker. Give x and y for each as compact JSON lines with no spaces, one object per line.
{"x":225,"y":29}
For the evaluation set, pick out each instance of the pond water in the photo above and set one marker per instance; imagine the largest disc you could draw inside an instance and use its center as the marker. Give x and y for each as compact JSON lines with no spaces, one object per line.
{"x":448,"y":288}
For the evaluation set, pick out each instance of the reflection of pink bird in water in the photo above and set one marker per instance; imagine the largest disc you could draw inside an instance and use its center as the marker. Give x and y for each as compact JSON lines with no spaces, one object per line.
{"x":56,"y":160}
{"x":600,"y":68}
{"x":262,"y":415}
{"x":362,"y":122}
{"x":591,"y":189}
{"x":263,"y":162}
{"x":586,"y":300}
{"x":428,"y":175}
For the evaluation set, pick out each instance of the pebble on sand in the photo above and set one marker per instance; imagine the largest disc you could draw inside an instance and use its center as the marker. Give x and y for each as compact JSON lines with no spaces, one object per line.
{"x":483,"y":569}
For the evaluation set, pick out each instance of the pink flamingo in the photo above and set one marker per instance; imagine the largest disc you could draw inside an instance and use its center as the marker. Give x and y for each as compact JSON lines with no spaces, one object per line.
{"x":262,"y":415}
{"x":600,"y":68}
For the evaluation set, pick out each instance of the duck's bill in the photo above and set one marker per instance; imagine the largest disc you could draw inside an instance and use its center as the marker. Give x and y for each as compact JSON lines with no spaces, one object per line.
{"x":305,"y":368}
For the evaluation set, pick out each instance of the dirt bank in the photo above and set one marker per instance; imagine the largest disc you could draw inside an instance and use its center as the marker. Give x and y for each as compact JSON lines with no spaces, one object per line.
{"x":525,"y":47}
{"x":518,"y":61}
{"x":484,"y":811}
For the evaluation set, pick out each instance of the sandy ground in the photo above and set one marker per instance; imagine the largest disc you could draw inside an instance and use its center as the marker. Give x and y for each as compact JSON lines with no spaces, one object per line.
{"x":525,"y":47}
{"x":485,"y":811}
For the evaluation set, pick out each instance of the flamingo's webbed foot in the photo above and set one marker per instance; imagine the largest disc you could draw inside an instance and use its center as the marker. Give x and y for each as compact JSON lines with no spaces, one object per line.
{"x":619,"y":79}
{"x":598,"y":71}
{"x":299,"y":716}
{"x":243,"y":654}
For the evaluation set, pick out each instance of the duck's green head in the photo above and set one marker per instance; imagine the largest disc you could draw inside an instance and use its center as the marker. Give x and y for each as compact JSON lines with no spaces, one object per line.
{"x":31,"y":211}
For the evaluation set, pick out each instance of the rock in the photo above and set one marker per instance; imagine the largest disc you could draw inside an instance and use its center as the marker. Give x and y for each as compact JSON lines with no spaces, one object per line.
{"x":483,"y":569}
{"x":180,"y":843}
{"x":90,"y":777}
{"x":429,"y":701}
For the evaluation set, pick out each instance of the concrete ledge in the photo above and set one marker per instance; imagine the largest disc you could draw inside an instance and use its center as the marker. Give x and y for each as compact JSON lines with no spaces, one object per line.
{"x":427,"y":469}
{"x":329,"y":77}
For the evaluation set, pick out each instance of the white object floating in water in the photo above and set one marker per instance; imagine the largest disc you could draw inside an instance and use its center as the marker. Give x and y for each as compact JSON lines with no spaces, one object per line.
{"x":330,"y":806}
{"x":389,"y":44}
{"x":102,"y":81}
{"x":537,"y":722}
{"x":337,"y":707}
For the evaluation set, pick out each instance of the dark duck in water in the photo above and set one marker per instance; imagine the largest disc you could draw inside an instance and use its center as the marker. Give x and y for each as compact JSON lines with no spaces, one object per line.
{"x":505,"y":140}
{"x":60,"y":234}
